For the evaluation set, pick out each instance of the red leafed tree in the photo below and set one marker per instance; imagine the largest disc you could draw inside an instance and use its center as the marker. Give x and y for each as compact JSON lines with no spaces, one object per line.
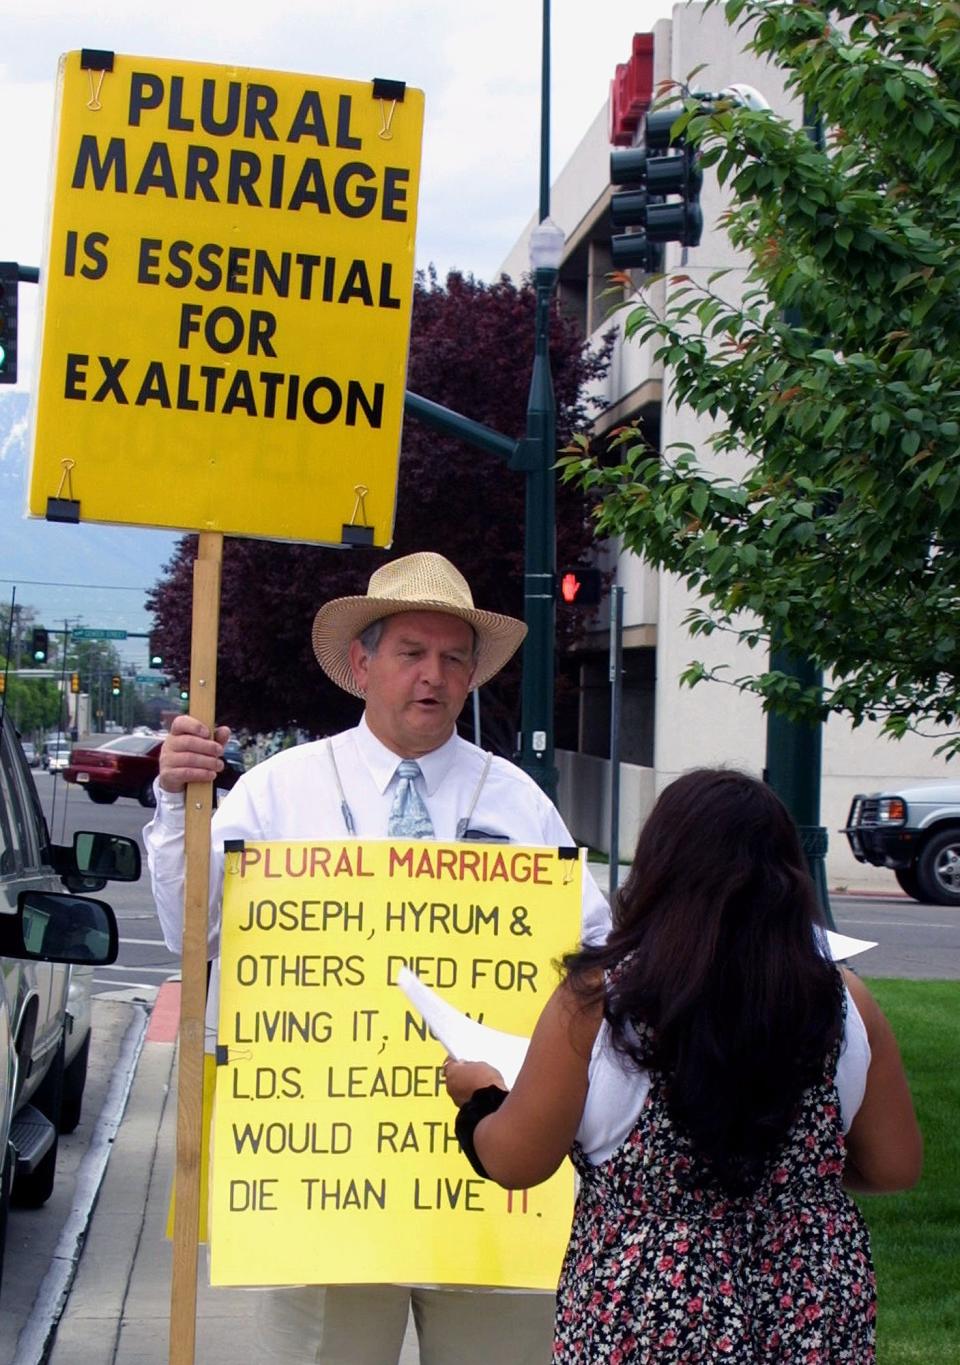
{"x":471,"y":350}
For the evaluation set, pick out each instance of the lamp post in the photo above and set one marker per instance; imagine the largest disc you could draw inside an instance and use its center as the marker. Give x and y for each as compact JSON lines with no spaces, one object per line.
{"x":534,"y":454}
{"x":536,"y":753}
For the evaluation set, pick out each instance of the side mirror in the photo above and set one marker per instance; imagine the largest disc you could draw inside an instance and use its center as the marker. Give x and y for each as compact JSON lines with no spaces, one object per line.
{"x":112,"y":857}
{"x":95,"y":859}
{"x":51,"y":926}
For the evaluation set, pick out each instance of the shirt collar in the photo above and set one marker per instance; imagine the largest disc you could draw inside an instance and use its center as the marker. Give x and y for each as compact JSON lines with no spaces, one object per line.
{"x":382,"y":762}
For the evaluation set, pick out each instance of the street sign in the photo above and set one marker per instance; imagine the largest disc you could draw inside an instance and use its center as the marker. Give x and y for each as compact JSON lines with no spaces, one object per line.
{"x":227,"y":296}
{"x":156,"y":678}
{"x":90,"y":633}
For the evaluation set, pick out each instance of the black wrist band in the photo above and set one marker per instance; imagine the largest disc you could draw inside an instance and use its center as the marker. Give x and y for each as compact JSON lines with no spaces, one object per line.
{"x":478,"y":1106}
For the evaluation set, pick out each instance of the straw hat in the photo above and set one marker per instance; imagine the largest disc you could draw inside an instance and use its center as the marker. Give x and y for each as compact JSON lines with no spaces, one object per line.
{"x":420,"y":582}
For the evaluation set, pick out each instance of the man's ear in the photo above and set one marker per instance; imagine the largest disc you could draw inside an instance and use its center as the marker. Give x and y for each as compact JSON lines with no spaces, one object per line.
{"x":359,"y":659}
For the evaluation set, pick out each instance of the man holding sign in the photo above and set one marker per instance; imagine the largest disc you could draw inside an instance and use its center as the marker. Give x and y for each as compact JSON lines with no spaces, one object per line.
{"x":413,"y":647}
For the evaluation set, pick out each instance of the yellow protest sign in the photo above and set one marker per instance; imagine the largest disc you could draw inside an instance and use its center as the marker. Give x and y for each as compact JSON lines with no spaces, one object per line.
{"x":227,"y":291}
{"x":334,"y":1154}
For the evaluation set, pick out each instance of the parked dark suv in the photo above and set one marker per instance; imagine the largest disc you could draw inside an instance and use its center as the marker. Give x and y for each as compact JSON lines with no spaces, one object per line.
{"x":42,"y":932}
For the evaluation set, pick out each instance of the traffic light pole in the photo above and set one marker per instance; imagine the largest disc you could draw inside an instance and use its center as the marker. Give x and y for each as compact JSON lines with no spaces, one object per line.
{"x":536,"y":749}
{"x":616,"y":701}
{"x":795,"y":748}
{"x":793,"y":767}
{"x":11,"y":274}
{"x":536,"y":754}
{"x":536,"y":455}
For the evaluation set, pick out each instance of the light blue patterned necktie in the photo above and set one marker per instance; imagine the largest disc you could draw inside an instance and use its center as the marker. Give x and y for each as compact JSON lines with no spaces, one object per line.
{"x":409,"y":817}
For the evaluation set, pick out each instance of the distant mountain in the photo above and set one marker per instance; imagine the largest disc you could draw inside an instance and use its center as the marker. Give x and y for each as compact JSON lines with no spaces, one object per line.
{"x":88,"y":574}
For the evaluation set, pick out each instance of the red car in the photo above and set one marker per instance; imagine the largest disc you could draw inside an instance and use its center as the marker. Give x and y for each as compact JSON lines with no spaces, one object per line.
{"x":125,"y":766}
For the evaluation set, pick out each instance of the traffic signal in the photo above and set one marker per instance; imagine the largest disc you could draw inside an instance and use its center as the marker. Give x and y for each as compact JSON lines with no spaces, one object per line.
{"x":115,"y":685}
{"x":581,"y":587}
{"x":663,"y":201}
{"x":184,"y":694}
{"x":8,"y":322}
{"x":74,"y":682}
{"x":156,"y":653}
{"x":39,"y":641}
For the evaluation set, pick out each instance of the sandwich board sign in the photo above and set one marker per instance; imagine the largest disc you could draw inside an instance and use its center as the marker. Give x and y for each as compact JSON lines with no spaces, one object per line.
{"x":228,"y":284}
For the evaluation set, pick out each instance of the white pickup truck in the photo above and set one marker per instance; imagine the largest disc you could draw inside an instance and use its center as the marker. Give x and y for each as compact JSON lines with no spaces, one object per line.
{"x":915,"y":831}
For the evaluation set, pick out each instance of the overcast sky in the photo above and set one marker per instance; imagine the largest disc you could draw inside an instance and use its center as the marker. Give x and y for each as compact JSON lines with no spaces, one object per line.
{"x":478,"y":64}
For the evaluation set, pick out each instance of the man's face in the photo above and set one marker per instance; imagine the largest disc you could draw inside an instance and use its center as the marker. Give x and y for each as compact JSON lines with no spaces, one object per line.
{"x":416,"y":682}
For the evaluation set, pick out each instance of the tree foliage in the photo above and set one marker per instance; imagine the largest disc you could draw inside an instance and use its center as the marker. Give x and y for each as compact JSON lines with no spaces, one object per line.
{"x":34,"y":704}
{"x":836,"y":373}
{"x":471,"y":350}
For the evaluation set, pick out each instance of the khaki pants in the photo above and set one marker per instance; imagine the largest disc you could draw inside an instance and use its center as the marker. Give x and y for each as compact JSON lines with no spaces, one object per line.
{"x":365,"y":1325}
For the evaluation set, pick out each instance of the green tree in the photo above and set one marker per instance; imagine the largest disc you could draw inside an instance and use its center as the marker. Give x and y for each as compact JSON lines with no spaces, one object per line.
{"x":825,"y":509}
{"x":34,"y":704}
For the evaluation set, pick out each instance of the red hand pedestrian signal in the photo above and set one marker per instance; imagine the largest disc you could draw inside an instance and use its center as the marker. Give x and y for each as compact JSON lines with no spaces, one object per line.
{"x":569,"y":587}
{"x":581,"y":587}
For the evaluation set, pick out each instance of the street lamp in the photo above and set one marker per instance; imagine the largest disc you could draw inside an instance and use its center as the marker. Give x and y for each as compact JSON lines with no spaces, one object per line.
{"x":534,"y":454}
{"x":536,"y":753}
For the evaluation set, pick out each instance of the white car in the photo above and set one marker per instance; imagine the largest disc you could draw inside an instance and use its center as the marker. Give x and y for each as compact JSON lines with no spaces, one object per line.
{"x":56,"y":755}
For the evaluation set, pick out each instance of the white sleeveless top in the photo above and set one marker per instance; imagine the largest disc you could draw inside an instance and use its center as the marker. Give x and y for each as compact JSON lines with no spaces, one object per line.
{"x":617,"y":1090}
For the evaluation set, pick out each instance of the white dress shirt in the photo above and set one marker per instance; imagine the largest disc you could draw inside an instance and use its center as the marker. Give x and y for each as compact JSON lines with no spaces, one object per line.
{"x":294,"y":795}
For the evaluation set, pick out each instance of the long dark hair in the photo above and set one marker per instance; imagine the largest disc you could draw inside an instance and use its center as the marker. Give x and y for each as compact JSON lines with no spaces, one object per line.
{"x":714,"y":948}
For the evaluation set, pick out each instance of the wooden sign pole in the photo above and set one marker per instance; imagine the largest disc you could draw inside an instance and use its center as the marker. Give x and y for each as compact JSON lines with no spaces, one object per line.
{"x":193,"y":991}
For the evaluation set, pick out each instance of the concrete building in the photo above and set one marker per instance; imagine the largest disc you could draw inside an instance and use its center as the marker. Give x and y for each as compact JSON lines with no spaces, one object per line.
{"x":665,"y":728}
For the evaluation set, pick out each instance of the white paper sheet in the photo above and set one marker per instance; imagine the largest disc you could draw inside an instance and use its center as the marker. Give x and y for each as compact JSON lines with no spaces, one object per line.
{"x":464,"y":1038}
{"x":843,"y":946}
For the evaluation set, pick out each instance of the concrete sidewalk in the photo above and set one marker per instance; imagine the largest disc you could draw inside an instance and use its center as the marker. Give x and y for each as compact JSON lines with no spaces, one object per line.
{"x":118,"y":1309}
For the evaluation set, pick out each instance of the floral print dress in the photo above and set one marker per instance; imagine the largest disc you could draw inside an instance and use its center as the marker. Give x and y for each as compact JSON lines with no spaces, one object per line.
{"x":665,"y":1267}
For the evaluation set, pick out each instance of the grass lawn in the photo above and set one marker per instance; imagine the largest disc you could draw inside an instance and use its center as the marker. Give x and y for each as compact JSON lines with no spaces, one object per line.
{"x":916,"y":1236}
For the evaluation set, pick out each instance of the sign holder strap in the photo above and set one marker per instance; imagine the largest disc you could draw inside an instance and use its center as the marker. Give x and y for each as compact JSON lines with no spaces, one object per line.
{"x":193,"y":991}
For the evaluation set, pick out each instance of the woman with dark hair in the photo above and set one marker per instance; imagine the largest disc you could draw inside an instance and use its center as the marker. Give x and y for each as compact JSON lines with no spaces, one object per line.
{"x":719,"y":1081}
